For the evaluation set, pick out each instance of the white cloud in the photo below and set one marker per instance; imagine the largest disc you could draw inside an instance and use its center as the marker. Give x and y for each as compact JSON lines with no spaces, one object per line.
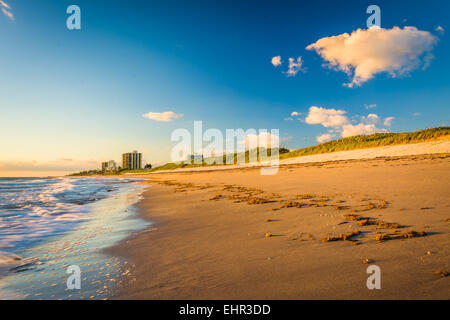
{"x":365,"y":53}
{"x":293,"y":114}
{"x":4,"y":4}
{"x":326,"y":117}
{"x":166,"y":116}
{"x":6,"y":9}
{"x":294,"y":66}
{"x":263,"y":139}
{"x":8,"y":13}
{"x":276,"y":61}
{"x":439,"y":29}
{"x":338,"y":123}
{"x":416,"y":114}
{"x":325,"y":137}
{"x":371,"y":118}
{"x":388,"y":121}
{"x":370,"y":106}
{"x":355,"y":130}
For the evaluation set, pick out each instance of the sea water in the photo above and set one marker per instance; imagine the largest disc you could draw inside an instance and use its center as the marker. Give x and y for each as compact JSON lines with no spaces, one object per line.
{"x":49,"y":224}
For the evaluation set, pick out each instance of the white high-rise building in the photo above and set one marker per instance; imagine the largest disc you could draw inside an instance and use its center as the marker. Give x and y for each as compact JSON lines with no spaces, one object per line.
{"x":109,"y":166}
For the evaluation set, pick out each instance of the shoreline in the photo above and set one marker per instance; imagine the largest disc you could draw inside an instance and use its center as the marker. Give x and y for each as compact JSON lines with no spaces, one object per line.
{"x":198,"y":248}
{"x":41,"y":271}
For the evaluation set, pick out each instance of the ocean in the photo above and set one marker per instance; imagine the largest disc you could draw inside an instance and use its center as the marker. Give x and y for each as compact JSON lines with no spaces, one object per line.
{"x":49,"y":224}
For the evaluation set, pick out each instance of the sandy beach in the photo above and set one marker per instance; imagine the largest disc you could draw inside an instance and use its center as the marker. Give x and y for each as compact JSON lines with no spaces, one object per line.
{"x":304,"y":233}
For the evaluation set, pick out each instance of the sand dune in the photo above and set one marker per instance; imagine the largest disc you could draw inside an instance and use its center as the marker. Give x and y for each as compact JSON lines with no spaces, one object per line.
{"x":432,"y":147}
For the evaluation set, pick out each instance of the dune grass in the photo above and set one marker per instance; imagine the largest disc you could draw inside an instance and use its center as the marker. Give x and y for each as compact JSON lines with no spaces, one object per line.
{"x":372,"y":141}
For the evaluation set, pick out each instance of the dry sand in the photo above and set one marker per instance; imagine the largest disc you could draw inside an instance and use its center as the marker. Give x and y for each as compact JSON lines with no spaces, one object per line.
{"x":208,"y":240}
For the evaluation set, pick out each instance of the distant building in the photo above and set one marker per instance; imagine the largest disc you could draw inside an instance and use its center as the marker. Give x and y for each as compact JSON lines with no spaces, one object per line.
{"x":132,"y":160}
{"x":194,"y":157}
{"x":109,"y":166}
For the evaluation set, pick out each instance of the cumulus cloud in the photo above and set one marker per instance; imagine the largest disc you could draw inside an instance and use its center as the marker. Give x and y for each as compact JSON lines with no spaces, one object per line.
{"x":166,"y":116}
{"x":355,"y":130}
{"x":364,"y":53}
{"x":325,"y":137}
{"x":388,"y":121}
{"x":338,"y":123}
{"x":326,"y":117}
{"x":370,"y":106}
{"x":293,"y":114}
{"x":439,"y":29}
{"x":371,"y":118}
{"x":295,"y":65}
{"x":276,"y":61}
{"x":263,"y":139}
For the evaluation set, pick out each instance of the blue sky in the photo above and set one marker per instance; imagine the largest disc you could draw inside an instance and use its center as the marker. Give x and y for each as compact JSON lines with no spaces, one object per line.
{"x":72,"y":98}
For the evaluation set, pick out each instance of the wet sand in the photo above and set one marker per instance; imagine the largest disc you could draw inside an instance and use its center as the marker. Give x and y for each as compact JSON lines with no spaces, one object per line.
{"x":40,"y":272}
{"x":303,"y":233}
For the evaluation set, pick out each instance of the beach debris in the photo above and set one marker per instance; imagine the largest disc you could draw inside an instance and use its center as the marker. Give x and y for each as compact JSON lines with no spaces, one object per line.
{"x":343,"y":236}
{"x":387,"y":225}
{"x":340,"y":207}
{"x":352,"y":217}
{"x":413,"y":234}
{"x":348,"y":235}
{"x":305,"y":196}
{"x":366,"y":221}
{"x":292,"y":204}
{"x":382,"y":237}
{"x":441,"y":273}
{"x":382,"y":205}
{"x":254,"y":200}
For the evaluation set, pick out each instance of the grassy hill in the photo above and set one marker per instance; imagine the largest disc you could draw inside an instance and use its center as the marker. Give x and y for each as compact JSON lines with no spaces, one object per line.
{"x":372,"y":141}
{"x":349,"y":143}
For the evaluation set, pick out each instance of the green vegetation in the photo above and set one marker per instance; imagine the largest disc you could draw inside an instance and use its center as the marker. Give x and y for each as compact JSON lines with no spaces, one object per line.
{"x":349,"y":143}
{"x":372,"y":141}
{"x":217,"y":161}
